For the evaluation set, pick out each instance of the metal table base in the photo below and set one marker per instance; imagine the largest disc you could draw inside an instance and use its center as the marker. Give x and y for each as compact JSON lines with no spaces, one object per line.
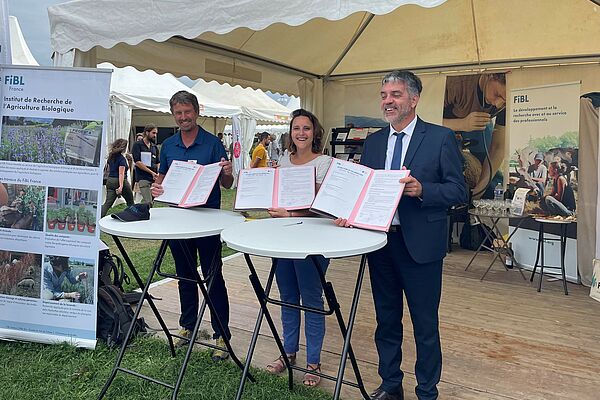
{"x":204,"y":285}
{"x":262,"y":294}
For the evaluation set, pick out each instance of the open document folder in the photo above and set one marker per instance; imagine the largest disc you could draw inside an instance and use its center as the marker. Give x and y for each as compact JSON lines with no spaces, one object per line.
{"x":292,"y":188}
{"x":189,"y":184}
{"x":367,"y":198}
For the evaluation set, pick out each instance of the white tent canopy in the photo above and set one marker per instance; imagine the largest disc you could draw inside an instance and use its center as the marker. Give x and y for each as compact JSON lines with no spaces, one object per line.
{"x":324,"y":50}
{"x":21,"y":55}
{"x":254,"y":103}
{"x":150,"y":91}
{"x":273,"y":44}
{"x":134,"y":90}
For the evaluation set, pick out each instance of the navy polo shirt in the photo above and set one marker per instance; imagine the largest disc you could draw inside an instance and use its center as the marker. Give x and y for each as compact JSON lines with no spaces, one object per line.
{"x":206,"y":149}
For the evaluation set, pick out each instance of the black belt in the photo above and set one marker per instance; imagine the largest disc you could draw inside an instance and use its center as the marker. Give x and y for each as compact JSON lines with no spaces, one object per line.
{"x":394,"y":228}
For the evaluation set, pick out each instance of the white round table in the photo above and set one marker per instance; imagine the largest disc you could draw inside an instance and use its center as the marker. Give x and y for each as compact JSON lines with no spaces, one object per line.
{"x":173,"y":223}
{"x":299,"y":238}
{"x":169,"y":223}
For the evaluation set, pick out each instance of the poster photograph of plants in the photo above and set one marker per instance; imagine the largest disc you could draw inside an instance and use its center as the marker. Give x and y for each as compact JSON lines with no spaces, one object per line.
{"x":71,"y":211}
{"x":20,"y":274}
{"x":22,"y":206}
{"x":68,"y":279}
{"x":51,"y":141}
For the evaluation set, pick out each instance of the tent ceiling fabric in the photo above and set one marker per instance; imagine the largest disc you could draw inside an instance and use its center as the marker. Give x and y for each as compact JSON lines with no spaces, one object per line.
{"x":241,"y":43}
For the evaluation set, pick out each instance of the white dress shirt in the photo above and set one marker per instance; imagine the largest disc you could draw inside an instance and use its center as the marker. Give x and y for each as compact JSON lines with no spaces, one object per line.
{"x":389,"y":154}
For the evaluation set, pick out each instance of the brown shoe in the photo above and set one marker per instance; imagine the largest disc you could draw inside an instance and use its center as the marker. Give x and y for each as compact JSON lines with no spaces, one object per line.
{"x":312,"y":380}
{"x":278,"y":366}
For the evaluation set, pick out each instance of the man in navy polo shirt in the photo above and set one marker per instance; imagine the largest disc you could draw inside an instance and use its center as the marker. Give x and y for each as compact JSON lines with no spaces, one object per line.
{"x":192,"y":143}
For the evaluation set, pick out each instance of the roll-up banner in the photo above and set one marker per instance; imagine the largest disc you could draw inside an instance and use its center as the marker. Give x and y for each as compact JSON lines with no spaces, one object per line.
{"x":53,"y":122}
{"x":544,"y":145}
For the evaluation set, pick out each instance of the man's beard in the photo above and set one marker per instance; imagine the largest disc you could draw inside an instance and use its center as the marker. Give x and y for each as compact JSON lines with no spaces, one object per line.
{"x":402,"y":115}
{"x":152,"y":139}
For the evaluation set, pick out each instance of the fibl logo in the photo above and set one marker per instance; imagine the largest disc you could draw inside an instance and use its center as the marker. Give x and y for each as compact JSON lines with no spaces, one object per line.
{"x":14,"y":80}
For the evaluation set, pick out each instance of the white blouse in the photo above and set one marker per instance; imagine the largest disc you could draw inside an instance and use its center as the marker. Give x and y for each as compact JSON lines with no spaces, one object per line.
{"x":320,"y":163}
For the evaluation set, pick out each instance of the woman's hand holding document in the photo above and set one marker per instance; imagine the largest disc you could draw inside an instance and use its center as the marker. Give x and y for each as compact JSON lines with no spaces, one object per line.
{"x":264,"y":188}
{"x":367,"y":198}
{"x":189,"y":184}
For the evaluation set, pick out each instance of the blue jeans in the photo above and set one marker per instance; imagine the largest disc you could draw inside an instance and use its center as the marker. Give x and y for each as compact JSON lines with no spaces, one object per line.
{"x":298,"y":279}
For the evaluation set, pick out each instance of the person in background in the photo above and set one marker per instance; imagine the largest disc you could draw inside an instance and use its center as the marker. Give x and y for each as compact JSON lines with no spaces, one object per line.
{"x":117,"y":183}
{"x":274,"y":151}
{"x":192,"y":142}
{"x":538,"y":173}
{"x":298,"y":280}
{"x":561,"y":200}
{"x":55,"y":272}
{"x":145,"y":156}
{"x":475,"y":109}
{"x":259,"y":155}
{"x":410,"y":264}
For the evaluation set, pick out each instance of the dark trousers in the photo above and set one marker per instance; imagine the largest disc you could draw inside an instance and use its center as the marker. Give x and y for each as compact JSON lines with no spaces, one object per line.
{"x":393,"y":274}
{"x":206,"y":248}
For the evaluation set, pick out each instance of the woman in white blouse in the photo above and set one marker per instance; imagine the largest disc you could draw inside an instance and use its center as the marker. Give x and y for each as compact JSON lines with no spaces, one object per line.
{"x":298,"y":280}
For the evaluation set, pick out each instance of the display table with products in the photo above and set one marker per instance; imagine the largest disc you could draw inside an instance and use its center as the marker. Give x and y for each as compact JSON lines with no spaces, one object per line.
{"x":499,"y":246}
{"x":301,"y":238}
{"x":166,"y":224}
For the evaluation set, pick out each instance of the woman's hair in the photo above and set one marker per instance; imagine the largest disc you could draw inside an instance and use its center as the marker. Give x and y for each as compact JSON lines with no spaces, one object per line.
{"x":318,"y":131}
{"x":116,"y":148}
{"x":561,"y":168}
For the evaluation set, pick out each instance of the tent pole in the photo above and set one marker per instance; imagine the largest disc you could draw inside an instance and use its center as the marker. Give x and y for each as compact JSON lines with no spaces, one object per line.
{"x":351,"y":43}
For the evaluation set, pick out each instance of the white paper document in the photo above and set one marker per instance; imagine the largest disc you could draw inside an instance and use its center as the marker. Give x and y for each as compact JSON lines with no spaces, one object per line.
{"x":188,"y":184}
{"x":292,"y":188}
{"x":367,"y":198}
{"x":146,"y":158}
{"x":518,"y":201}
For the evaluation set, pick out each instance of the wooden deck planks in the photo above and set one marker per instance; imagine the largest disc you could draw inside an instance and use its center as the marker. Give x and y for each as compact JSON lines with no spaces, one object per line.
{"x":501,"y":339}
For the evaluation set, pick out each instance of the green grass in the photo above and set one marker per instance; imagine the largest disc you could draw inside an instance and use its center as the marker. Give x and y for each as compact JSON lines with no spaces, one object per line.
{"x":31,"y":371}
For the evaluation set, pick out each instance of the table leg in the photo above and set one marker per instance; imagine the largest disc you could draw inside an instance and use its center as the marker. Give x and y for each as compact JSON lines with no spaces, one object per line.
{"x":207,"y":301}
{"x":480,"y":245}
{"x":161,"y":252}
{"x":259,"y":318}
{"x":157,"y":262}
{"x":563,"y":251}
{"x":489,"y":235}
{"x":542,"y":256}
{"x":537,"y":254}
{"x":504,"y":245}
{"x":346,"y":332}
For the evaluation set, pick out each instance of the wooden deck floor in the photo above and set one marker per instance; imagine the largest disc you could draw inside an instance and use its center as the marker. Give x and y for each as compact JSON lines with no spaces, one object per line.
{"x":500,"y":338}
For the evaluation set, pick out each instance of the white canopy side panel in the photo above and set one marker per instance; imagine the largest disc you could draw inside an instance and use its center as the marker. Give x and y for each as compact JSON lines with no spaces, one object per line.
{"x":21,"y":54}
{"x":83,"y":24}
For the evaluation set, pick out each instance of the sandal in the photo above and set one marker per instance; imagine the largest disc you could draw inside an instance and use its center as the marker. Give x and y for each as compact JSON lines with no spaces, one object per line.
{"x":312,"y":380}
{"x":278,"y":366}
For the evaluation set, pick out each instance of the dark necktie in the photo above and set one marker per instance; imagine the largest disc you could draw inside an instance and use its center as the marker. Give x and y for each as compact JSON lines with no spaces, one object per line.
{"x":397,"y":158}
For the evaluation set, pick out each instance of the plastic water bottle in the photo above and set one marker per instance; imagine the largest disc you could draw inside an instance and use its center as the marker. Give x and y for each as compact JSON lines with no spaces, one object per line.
{"x":499,"y":192}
